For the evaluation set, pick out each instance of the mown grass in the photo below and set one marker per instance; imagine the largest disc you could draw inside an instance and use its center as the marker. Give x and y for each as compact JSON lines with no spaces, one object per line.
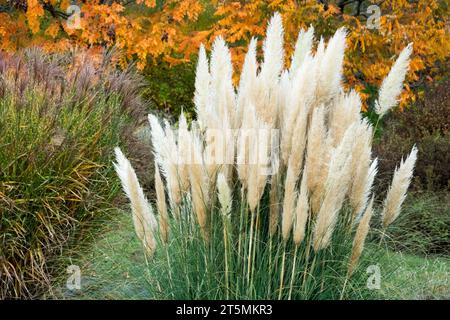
{"x":417,"y":277}
{"x":423,"y":227}
{"x":114,"y":267}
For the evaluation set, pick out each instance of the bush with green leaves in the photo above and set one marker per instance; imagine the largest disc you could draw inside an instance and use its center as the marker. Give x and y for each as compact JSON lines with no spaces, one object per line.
{"x":425,"y":124}
{"x":170,"y":88}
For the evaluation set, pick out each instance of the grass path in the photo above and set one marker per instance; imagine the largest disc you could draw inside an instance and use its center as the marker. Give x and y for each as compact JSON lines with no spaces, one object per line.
{"x":113,"y":267}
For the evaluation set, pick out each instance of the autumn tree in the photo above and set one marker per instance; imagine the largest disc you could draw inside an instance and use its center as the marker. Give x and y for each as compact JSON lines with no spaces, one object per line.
{"x":146,"y":30}
{"x":142,"y":29}
{"x":377,"y":31}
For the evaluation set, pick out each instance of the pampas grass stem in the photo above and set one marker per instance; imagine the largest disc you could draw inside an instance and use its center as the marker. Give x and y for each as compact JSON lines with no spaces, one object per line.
{"x":293,"y":272}
{"x":283,"y":261}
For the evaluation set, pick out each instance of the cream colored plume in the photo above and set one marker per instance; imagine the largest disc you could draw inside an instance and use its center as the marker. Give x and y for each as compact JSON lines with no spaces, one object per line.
{"x":392,"y":85}
{"x":202,"y":85}
{"x":166,"y":155}
{"x":397,"y":191}
{"x":337,"y":185}
{"x":363,"y":172}
{"x":142,"y":213}
{"x":298,"y":96}
{"x":246,"y":89}
{"x":302,"y":49}
{"x":200,"y":184}
{"x":222,"y":90}
{"x":317,"y":157}
{"x":259,"y":161}
{"x":345,"y":111}
{"x":224,"y":194}
{"x":362,"y":187}
{"x":184,"y":153}
{"x":331,"y":66}
{"x":273,"y":51}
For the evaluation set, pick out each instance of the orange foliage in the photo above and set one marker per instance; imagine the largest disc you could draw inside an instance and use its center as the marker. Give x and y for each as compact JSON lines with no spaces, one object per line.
{"x":148,"y":29}
{"x":34,"y":13}
{"x":370,"y":50}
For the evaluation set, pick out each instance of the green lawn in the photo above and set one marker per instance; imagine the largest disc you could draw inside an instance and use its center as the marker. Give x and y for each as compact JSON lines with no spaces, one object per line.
{"x":417,"y":277}
{"x":113,"y":267}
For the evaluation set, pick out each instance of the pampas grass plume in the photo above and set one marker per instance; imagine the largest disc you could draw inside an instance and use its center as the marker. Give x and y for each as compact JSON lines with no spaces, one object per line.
{"x":143,"y":217}
{"x":397,"y":191}
{"x":392,"y":85}
{"x":224,"y":194}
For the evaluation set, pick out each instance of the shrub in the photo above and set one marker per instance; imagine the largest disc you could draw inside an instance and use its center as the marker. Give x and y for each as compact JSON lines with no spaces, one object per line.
{"x":269,"y":189}
{"x":170,"y":89}
{"x":59,"y":116}
{"x":425,"y":124}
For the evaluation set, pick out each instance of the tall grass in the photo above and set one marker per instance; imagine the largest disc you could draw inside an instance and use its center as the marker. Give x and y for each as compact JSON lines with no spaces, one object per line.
{"x":59,"y":117}
{"x":269,"y":189}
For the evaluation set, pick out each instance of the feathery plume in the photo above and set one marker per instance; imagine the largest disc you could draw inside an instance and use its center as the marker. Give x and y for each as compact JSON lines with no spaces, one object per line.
{"x":158,"y":140}
{"x":331,"y":66}
{"x":362,"y":186}
{"x":224,"y":194}
{"x":259,"y":157}
{"x":266,"y":86}
{"x":171,"y":164}
{"x":320,"y":52}
{"x":199,"y":182}
{"x":317,"y":157}
{"x":273,"y":50}
{"x":184,"y":153}
{"x":397,"y":191}
{"x":166,"y":155}
{"x":246,"y":89}
{"x":143,"y":218}
{"x":392,"y":85}
{"x":336,"y":188}
{"x":298,"y":141}
{"x":298,"y":95}
{"x":345,"y":111}
{"x":222,"y":90}
{"x":362,"y":172}
{"x":284,"y":88}
{"x":202,"y":83}
{"x":302,"y":49}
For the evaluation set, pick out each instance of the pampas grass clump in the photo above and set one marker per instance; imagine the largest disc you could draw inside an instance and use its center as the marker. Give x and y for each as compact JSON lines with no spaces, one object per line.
{"x":268,"y":190}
